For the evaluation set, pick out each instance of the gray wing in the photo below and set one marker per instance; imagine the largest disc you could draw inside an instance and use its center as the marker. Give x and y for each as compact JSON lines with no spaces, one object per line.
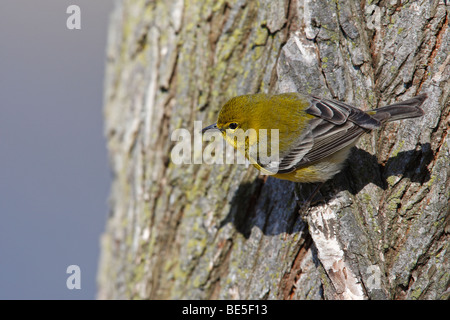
{"x":337,"y":126}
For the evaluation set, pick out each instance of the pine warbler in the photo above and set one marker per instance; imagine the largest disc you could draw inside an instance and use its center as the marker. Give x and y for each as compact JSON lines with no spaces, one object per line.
{"x":315,"y":135}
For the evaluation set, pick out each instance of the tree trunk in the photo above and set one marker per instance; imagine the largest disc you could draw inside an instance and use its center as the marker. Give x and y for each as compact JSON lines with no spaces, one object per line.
{"x":381,"y":227}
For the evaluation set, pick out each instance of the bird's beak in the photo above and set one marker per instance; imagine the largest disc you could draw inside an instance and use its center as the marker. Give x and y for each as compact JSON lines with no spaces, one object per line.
{"x":211,"y":127}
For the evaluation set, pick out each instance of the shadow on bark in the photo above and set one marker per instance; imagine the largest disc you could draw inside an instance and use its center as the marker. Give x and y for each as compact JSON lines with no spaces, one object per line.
{"x":364,"y":169}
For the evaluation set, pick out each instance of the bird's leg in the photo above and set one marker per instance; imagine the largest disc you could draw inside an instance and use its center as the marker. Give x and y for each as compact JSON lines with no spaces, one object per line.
{"x":305,"y":205}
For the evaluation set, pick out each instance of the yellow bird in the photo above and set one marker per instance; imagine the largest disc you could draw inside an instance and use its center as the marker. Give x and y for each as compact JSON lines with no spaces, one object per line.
{"x":315,"y":135}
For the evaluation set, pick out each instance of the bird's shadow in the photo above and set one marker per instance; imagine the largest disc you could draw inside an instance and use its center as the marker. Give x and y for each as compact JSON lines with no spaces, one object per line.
{"x":271,"y":205}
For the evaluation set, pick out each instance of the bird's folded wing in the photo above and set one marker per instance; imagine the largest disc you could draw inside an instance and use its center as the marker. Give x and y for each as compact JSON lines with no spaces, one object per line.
{"x":337,"y":126}
{"x":338,"y":112}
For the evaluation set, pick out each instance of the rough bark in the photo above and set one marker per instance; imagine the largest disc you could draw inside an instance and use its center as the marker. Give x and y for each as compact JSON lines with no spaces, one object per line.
{"x":381,"y":227}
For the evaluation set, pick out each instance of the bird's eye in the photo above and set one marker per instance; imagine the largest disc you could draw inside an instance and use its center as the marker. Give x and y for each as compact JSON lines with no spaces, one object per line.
{"x":233,"y":125}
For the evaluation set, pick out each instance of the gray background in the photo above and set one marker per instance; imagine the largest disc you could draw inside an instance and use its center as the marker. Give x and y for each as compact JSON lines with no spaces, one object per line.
{"x":54,"y":175}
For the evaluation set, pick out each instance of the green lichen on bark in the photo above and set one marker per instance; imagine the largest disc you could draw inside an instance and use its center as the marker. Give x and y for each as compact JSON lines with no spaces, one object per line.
{"x":221,"y":231}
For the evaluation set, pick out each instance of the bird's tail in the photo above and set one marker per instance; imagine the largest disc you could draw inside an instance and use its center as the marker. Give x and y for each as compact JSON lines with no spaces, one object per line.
{"x":401,"y":110}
